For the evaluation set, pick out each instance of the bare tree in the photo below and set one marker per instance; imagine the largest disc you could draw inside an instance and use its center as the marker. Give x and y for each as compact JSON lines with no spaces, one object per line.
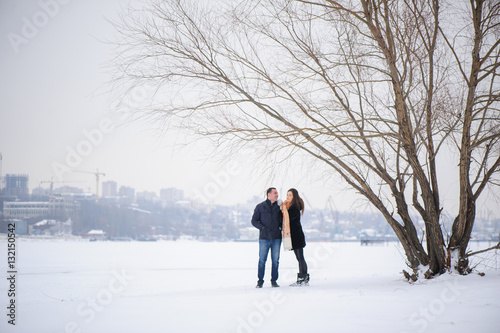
{"x":372,"y":89}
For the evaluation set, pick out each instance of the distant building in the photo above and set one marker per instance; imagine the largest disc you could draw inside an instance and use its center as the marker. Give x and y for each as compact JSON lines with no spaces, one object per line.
{"x":147,"y":196}
{"x":248,"y":234}
{"x":1,"y":175}
{"x":127,"y":192}
{"x":57,"y":205}
{"x":20,"y":227}
{"x":170,"y":195}
{"x":96,"y":234}
{"x":127,"y":195}
{"x":109,"y":189}
{"x":16,"y":185}
{"x":66,"y":205}
{"x":40,"y":192}
{"x":53,"y":227}
{"x":24,"y":210}
{"x":67,"y":190}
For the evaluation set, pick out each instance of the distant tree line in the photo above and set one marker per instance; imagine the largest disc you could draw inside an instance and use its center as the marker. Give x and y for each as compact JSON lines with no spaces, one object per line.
{"x":151,"y":218}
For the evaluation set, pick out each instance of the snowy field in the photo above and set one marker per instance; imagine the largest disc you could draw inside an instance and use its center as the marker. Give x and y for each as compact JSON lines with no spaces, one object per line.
{"x":189,"y":286}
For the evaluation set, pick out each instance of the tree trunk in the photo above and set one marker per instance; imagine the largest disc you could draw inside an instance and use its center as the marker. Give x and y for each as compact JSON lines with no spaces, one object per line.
{"x":462,"y":226}
{"x":435,"y":241}
{"x":459,"y":241}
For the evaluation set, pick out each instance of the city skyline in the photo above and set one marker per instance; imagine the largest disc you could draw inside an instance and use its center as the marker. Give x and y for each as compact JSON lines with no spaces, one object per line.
{"x":58,"y":115}
{"x":108,"y":188}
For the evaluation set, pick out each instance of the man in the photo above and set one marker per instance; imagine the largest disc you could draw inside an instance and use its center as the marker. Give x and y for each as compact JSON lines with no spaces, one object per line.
{"x":267,"y":217}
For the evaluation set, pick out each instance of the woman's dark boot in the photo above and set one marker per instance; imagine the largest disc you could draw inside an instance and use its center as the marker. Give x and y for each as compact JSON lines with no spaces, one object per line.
{"x":301,"y":278}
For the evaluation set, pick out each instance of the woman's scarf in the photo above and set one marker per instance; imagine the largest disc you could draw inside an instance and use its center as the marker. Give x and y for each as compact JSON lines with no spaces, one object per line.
{"x":287,"y":237}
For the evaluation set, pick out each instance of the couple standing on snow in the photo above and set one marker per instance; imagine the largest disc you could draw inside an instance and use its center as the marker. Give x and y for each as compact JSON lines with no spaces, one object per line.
{"x":268,"y":218}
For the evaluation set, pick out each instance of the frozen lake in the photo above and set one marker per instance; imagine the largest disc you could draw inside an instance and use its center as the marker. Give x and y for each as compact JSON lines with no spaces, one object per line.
{"x":189,"y":286}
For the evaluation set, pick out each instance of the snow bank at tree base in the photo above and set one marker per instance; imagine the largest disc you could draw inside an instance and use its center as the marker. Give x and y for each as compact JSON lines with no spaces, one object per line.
{"x":71,"y":286}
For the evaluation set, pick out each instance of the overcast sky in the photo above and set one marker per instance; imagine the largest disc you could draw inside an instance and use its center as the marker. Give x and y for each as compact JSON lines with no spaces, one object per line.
{"x":55,"y":112}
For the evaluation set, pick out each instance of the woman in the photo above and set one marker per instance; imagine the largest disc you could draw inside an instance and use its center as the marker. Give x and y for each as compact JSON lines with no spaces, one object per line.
{"x":295,"y":207}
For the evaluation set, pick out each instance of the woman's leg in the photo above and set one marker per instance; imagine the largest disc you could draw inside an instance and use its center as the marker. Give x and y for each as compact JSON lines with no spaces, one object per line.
{"x":299,"y":254}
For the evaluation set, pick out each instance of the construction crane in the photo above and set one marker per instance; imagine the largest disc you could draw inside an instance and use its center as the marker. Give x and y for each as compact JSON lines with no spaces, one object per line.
{"x":97,"y":174}
{"x":52,"y":181}
{"x":333,"y":210}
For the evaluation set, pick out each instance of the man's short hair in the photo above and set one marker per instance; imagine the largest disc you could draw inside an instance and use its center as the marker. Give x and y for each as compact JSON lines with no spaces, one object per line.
{"x":270,"y":189}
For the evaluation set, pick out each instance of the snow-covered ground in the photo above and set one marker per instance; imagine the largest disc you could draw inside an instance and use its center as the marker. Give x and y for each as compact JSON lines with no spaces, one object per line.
{"x":189,"y":286}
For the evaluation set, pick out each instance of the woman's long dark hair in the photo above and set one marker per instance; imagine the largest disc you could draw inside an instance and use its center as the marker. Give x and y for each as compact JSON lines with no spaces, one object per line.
{"x":297,"y":200}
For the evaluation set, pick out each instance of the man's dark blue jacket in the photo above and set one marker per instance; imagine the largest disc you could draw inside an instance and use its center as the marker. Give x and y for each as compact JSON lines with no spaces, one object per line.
{"x":268,"y":219}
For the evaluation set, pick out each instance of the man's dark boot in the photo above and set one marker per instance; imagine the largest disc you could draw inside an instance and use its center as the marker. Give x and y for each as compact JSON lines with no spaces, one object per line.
{"x":274,"y":284}
{"x":259,"y":284}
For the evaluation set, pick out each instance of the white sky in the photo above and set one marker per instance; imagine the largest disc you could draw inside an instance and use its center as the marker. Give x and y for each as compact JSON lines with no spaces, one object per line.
{"x":52,"y":90}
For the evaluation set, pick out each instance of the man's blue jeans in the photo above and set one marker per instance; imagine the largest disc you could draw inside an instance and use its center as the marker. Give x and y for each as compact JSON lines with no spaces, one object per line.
{"x":264,"y":246}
